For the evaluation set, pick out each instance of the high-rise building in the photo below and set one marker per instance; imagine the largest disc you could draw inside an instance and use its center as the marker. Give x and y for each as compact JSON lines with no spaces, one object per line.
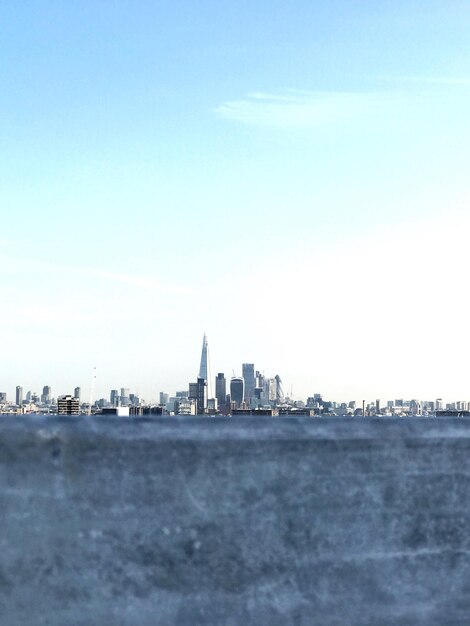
{"x":114,"y":397}
{"x":201,"y":402}
{"x":198,"y":392}
{"x":237,"y":391}
{"x":270,"y":389}
{"x":220,"y":389}
{"x":46,"y":394}
{"x":125,"y":400}
{"x":19,"y":395}
{"x":203,"y":365}
{"x":164,"y":397}
{"x":279,"y":390}
{"x":134,"y":399}
{"x":77,"y":393}
{"x":248,"y":374}
{"x":3,"y":397}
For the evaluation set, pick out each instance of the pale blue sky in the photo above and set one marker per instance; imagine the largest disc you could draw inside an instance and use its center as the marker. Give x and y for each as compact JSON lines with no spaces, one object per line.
{"x":181,"y":167}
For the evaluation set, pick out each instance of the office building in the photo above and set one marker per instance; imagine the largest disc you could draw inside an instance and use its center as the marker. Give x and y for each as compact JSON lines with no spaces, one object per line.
{"x":203,"y":367}
{"x":3,"y":397}
{"x":248,"y":374}
{"x":67,"y":405}
{"x":220,"y":389}
{"x":134,"y":399}
{"x":19,"y":395}
{"x":164,"y":397}
{"x":212,"y":406}
{"x":198,"y":392}
{"x":279,"y":389}
{"x":46,"y":395}
{"x":270,"y":391}
{"x":77,"y":393}
{"x":114,"y":397}
{"x":237,"y":392}
{"x":201,"y":402}
{"x":187,"y":407}
{"x":125,"y":400}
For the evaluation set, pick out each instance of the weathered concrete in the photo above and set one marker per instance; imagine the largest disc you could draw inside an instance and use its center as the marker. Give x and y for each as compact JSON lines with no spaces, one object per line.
{"x":116,"y":521}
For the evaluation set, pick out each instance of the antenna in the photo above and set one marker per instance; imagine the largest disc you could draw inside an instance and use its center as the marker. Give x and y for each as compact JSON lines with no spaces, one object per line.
{"x":209,"y":375}
{"x":92,"y":389}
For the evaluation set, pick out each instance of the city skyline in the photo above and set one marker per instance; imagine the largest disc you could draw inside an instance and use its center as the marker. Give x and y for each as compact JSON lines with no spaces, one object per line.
{"x":266,"y":399}
{"x":292,"y":180}
{"x":244,"y":389}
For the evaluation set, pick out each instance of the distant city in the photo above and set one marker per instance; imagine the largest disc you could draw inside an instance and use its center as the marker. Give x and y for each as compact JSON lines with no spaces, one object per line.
{"x":252,"y":393}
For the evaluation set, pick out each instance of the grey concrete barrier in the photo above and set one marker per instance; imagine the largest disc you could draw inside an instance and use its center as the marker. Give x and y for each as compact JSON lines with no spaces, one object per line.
{"x":200,"y":521}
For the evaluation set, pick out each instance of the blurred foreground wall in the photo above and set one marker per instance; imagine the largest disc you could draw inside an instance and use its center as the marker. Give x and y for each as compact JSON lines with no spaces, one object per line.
{"x":202,"y":521}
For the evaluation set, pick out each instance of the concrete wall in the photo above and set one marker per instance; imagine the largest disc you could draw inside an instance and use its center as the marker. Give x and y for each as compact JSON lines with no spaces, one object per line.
{"x":243,"y":521}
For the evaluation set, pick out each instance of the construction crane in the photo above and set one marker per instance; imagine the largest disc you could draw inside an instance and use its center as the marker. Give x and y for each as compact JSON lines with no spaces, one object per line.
{"x":92,"y":389}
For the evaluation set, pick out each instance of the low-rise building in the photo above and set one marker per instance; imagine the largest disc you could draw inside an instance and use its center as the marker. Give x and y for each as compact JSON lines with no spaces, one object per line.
{"x":68,"y":405}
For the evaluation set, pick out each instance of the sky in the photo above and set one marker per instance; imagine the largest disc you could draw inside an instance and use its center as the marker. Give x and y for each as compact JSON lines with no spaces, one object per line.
{"x":289,"y":177}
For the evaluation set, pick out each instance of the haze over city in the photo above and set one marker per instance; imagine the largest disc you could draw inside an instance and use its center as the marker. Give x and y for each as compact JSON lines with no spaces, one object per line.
{"x":290,"y":180}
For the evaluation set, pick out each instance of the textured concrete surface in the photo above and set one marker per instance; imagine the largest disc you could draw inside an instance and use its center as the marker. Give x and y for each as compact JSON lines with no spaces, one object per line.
{"x":203,"y":521}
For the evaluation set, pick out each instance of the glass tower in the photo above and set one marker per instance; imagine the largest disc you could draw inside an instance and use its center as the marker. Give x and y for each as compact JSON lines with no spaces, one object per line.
{"x":203,"y":366}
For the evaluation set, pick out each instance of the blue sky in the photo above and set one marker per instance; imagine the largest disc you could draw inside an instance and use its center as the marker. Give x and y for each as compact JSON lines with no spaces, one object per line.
{"x":174,"y":168}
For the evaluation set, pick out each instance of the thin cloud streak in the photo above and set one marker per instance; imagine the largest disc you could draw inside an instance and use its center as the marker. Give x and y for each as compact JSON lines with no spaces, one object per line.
{"x":303,"y":109}
{"x":139,"y":281}
{"x":10,"y":265}
{"x":458,"y":81}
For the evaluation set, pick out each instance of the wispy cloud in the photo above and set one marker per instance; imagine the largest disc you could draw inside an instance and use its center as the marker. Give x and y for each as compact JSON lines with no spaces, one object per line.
{"x":302,"y":109}
{"x":458,"y":81}
{"x":12,"y":265}
{"x":139,"y":281}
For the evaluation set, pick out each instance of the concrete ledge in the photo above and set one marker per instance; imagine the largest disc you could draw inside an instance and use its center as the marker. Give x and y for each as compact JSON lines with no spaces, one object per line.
{"x":207,"y":521}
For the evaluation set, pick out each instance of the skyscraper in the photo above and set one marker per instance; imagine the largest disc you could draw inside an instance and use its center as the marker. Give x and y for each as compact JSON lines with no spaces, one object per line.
{"x":279,"y":391}
{"x":114,"y":397}
{"x":19,"y":395}
{"x":220,"y":389}
{"x":125,"y":392}
{"x":203,"y":365}
{"x":77,"y":392}
{"x":198,"y":393}
{"x":46,"y":394}
{"x":237,"y":391}
{"x":248,"y":373}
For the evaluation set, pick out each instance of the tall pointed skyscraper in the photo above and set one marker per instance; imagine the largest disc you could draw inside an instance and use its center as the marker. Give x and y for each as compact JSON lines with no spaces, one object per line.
{"x":203,"y":367}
